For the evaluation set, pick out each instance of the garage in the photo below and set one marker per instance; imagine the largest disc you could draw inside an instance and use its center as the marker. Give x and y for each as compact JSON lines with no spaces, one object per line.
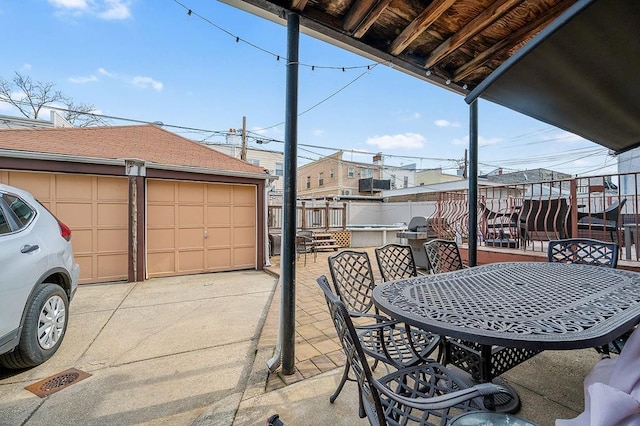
{"x":95,"y":208}
{"x":195,"y":227}
{"x":141,"y":201}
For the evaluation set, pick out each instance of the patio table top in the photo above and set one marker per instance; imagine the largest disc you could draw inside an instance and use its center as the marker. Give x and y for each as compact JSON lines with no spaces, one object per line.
{"x":533,"y":305}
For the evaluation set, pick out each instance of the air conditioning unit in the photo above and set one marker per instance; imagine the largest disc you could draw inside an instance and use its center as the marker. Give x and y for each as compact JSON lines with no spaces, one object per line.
{"x":346,"y":192}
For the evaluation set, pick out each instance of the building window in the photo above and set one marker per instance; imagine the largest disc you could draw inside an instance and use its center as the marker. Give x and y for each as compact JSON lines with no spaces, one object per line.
{"x":393,"y":181}
{"x":279,"y":169}
{"x":308,"y":182}
{"x":321,"y":179}
{"x":366,"y":173}
{"x":331,"y":174}
{"x":406,"y":181}
{"x":254,"y":162}
{"x":350,"y":172}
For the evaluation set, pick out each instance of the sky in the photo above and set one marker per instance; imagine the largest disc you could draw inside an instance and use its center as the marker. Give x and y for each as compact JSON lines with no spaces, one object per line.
{"x":150,"y":61}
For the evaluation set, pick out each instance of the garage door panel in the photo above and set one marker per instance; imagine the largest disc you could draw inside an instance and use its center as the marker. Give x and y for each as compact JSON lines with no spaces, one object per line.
{"x":219,"y":259}
{"x":244,"y":216}
{"x":36,"y":183}
{"x":244,"y":236}
{"x":74,"y":187}
{"x":163,"y":215}
{"x":82,"y":241}
{"x":219,"y":194}
{"x":161,"y":191}
{"x":111,"y":214}
{"x":191,"y":237}
{"x":109,"y":265}
{"x":191,"y":215}
{"x":244,"y":257}
{"x":75,"y":215}
{"x":219,"y":237}
{"x":244,"y":195}
{"x":114,"y":189}
{"x":113,"y":240}
{"x":161,"y":239}
{"x":219,"y":215}
{"x":190,"y":192}
{"x":86,"y":267}
{"x":164,"y":263}
{"x":191,"y":261}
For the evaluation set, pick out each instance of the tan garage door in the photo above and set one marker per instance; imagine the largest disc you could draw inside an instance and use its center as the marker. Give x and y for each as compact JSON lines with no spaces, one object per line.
{"x":96,"y":210}
{"x":197,"y":227}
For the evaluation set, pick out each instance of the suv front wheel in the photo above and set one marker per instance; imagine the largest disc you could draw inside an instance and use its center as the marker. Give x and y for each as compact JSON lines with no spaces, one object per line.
{"x":44,"y":327}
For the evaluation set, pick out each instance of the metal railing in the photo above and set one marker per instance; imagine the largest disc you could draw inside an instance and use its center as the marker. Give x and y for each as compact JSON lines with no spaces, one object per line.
{"x":527,"y":215}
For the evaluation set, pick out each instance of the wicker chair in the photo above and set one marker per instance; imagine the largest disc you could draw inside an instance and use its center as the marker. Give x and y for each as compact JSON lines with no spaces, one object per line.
{"x":396,"y":262}
{"x":389,"y":341}
{"x":444,"y":256}
{"x":426,"y":394}
{"x":589,"y":252}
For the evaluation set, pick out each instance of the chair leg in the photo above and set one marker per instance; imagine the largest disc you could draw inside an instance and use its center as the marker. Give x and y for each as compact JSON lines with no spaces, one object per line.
{"x":345,"y":377}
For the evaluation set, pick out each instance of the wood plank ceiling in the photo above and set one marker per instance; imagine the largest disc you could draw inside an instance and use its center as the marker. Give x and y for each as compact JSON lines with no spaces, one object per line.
{"x":453,"y":43}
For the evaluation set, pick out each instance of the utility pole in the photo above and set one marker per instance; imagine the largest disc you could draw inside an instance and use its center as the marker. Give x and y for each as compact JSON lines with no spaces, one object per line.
{"x":243,"y":153}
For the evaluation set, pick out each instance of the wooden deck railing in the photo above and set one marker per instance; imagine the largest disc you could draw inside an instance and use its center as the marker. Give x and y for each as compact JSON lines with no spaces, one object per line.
{"x":326,"y":217}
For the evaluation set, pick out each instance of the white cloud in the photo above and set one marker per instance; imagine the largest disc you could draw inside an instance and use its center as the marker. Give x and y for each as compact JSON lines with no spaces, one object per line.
{"x":568,"y":137}
{"x":111,"y":10}
{"x":82,"y":80}
{"x":104,"y":72}
{"x":69,"y":4}
{"x":446,"y":123}
{"x":147,"y":82}
{"x":404,"y":140}
{"x":482,"y":141}
{"x":27,"y":66}
{"x":115,"y":10}
{"x":318,"y":132}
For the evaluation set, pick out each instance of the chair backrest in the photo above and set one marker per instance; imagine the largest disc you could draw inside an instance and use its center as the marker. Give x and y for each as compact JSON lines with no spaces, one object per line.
{"x":612,"y":212}
{"x":583,"y":251}
{"x":396,"y":262}
{"x":442,"y":256}
{"x":353,"y":280}
{"x":354,"y":353}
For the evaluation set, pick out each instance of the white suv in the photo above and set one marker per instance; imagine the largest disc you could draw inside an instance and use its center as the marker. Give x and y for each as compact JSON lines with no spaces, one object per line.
{"x":38,"y":279}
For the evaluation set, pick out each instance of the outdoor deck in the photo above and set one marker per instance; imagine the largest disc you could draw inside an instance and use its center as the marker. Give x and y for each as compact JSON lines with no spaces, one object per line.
{"x":549,"y":384}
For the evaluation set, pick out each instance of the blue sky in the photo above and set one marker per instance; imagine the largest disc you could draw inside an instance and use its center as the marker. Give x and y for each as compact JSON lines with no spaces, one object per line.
{"x":148,"y":60}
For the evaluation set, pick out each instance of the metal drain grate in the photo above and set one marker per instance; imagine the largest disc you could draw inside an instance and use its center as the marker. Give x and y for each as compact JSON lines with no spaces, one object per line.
{"x":53,"y":384}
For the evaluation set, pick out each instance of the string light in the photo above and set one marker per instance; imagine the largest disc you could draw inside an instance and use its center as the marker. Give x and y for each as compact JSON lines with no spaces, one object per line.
{"x":239,"y":39}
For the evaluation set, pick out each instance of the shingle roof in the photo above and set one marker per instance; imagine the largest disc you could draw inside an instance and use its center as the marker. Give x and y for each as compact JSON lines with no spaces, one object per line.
{"x":145,"y":142}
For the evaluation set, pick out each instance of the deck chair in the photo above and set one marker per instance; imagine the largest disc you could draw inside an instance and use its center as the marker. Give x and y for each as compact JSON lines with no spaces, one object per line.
{"x":396,"y":262}
{"x":589,"y":252}
{"x":606,"y":221}
{"x":444,"y":256}
{"x":390,"y":341}
{"x":425,"y":394}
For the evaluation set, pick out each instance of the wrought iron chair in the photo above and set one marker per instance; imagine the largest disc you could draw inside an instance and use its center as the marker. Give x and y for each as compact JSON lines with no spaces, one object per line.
{"x":589,"y":252}
{"x":389,"y":341}
{"x":444,"y":256}
{"x":396,"y":262}
{"x":583,"y":251}
{"x":427,"y":394}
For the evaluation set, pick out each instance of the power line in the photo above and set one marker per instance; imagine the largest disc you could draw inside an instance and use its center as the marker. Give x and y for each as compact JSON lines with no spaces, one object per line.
{"x":238,"y":39}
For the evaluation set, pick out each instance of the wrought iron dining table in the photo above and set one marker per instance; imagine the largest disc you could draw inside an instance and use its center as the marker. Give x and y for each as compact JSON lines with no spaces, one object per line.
{"x":529,"y":305}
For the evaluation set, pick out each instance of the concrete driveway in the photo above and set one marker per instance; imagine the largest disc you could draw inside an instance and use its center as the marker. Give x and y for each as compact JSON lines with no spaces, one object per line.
{"x":159,"y":352}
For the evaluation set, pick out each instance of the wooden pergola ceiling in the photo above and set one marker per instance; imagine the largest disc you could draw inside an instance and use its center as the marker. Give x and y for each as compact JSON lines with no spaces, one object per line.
{"x":453,"y":43}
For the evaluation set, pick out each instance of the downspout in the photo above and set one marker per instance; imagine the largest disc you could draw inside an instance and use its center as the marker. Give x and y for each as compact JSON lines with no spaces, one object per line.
{"x":285,"y":349}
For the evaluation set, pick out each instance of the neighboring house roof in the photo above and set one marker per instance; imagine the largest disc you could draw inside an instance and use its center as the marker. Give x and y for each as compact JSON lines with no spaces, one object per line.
{"x":146,"y":142}
{"x":526,"y":176}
